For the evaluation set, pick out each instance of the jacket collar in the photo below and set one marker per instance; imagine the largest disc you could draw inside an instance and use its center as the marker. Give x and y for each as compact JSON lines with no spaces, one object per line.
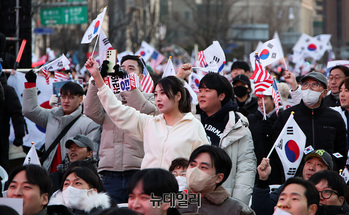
{"x":218,"y":196}
{"x":58,"y":112}
{"x":234,"y":124}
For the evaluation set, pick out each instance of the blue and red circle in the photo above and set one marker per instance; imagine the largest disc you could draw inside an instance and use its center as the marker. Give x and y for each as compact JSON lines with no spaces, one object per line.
{"x":264,"y":54}
{"x":96,"y":27}
{"x":292,"y":151}
{"x":312,"y":47}
{"x":142,"y":53}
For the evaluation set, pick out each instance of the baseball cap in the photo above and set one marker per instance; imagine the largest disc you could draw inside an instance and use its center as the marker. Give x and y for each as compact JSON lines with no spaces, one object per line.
{"x":242,"y":78}
{"x":322,"y":154}
{"x":317,"y":76}
{"x":80,"y":140}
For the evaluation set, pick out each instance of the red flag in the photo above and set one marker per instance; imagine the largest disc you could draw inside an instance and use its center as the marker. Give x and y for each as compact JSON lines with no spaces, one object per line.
{"x":261,"y":77}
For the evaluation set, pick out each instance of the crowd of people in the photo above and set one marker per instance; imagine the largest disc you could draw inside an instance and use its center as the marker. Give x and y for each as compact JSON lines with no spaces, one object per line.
{"x":161,"y":154}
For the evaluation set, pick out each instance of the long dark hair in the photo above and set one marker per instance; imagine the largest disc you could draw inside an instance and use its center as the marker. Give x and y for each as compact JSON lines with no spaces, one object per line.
{"x":171,"y":86}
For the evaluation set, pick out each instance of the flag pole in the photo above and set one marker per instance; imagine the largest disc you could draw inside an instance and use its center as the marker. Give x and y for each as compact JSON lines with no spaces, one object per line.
{"x":264,"y":114}
{"x":95,"y":45}
{"x":271,"y":150}
{"x":285,"y":64}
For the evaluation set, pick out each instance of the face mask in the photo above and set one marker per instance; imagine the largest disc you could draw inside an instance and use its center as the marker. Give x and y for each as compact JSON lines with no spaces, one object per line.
{"x":197,"y":179}
{"x":74,"y":197}
{"x":240,"y":91}
{"x":310,"y":97}
{"x":182,"y":182}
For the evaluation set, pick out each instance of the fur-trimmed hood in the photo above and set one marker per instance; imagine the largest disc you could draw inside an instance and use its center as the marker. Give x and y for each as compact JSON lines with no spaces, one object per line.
{"x":95,"y":200}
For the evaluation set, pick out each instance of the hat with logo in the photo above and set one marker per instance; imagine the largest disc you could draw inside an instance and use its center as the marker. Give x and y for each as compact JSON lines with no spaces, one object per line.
{"x":81,"y":141}
{"x":242,"y":78}
{"x":317,"y":76}
{"x":323,"y":155}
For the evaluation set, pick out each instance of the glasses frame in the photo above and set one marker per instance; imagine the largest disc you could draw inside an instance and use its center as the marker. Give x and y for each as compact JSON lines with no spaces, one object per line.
{"x":330,"y":191}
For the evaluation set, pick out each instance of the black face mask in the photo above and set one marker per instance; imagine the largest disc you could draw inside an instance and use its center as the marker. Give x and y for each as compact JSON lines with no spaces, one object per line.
{"x":240,"y":91}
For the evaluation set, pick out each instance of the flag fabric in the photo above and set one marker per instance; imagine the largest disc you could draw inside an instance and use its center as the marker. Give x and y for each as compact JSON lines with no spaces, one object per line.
{"x":212,"y":58}
{"x":194,"y":81}
{"x":262,"y":79}
{"x":60,"y":76}
{"x":94,"y":28}
{"x":308,"y":149}
{"x":277,"y":38}
{"x":46,"y":75}
{"x":290,"y":146}
{"x":103,"y":46}
{"x":268,"y":53}
{"x":156,"y":59}
{"x":169,"y":69}
{"x":325,"y":44}
{"x":276,"y":96}
{"x":345,"y":174}
{"x":32,"y":157}
{"x":145,"y":51}
{"x":147,"y":82}
{"x":61,"y":63}
{"x":308,"y":46}
{"x":333,"y":63}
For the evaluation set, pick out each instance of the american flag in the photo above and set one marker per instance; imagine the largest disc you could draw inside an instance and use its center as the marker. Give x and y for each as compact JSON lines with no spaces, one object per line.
{"x":156,"y":59}
{"x":276,"y":96}
{"x":46,"y":75}
{"x":60,"y":76}
{"x":147,"y":82}
{"x":261,"y":77}
{"x":202,"y":59}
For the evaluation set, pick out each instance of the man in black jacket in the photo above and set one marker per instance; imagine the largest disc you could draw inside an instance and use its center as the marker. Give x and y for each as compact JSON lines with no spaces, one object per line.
{"x":323,"y":127}
{"x":10,"y":108}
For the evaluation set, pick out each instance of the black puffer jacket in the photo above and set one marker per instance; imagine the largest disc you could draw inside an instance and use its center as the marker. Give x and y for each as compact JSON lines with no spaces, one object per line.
{"x":10,"y":108}
{"x":323,"y":127}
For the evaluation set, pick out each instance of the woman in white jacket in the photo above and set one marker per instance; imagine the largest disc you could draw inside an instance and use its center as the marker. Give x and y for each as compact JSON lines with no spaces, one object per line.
{"x":174,"y":133}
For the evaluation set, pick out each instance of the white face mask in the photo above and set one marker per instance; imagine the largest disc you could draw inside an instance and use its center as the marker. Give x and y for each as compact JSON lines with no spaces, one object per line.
{"x":182,"y":182}
{"x":310,"y":97}
{"x":197,"y":179}
{"x":74,"y":197}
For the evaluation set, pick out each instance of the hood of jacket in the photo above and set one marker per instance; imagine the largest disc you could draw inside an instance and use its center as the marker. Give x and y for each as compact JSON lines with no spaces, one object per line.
{"x":94,"y":200}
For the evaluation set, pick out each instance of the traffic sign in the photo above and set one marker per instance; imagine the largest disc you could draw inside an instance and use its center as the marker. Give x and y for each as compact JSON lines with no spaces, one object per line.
{"x":63,"y":15}
{"x":43,"y":30}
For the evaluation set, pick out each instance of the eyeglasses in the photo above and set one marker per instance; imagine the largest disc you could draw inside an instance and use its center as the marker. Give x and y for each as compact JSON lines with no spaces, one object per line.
{"x":336,"y":77}
{"x":313,"y":85}
{"x":326,"y":194}
{"x":70,"y":98}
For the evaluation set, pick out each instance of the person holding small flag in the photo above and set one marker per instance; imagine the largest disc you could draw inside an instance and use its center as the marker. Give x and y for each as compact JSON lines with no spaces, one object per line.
{"x":61,"y":123}
{"x":264,"y":201}
{"x":242,"y":91}
{"x":323,"y":127}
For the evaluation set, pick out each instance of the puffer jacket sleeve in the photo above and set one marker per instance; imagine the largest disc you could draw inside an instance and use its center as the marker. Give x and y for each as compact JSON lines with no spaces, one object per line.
{"x":296,"y":95}
{"x":246,"y":166}
{"x":137,"y":100}
{"x":14,"y":108}
{"x":32,"y":110}
{"x":124,"y":117}
{"x":92,"y":106}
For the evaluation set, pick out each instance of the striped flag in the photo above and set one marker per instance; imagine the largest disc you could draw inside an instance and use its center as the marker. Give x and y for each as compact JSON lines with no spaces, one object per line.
{"x":261,"y":77}
{"x":147,"y":82}
{"x":46,"y":75}
{"x":202,"y":59}
{"x":60,"y":76}
{"x":276,"y":96}
{"x":156,"y":59}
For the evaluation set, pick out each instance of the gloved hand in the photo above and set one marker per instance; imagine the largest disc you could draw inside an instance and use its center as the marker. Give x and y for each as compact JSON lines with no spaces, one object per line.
{"x":30,"y":76}
{"x":267,"y":131}
{"x":18,"y":141}
{"x":119,"y":71}
{"x":53,"y":100}
{"x":104,"y":68}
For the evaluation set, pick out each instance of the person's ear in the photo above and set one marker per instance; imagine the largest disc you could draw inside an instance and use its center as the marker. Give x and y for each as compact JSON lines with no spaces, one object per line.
{"x":81,"y":98}
{"x":89,"y":153}
{"x":44,"y":199}
{"x":165,"y":206}
{"x":220,"y":177}
{"x":324,"y":93}
{"x":312,"y":209}
{"x":178,"y":96}
{"x":221,"y":96}
{"x":341,"y":199}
